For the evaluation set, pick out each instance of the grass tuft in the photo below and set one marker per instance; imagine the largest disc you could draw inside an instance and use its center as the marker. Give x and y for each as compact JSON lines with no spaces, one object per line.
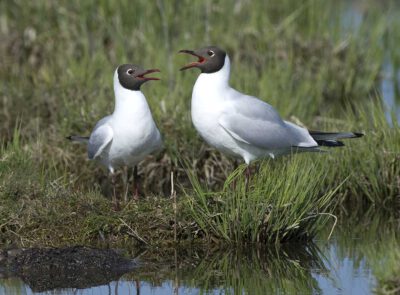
{"x":283,"y":201}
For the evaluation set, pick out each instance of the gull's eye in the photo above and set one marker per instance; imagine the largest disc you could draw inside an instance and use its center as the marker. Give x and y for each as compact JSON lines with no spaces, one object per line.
{"x":130,"y":71}
{"x":211,"y":53}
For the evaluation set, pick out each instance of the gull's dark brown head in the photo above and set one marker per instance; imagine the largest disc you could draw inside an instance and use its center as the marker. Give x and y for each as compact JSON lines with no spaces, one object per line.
{"x":133,"y":76}
{"x":210,"y":59}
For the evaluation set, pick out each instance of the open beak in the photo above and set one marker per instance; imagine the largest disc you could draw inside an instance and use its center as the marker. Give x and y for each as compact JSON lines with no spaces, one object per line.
{"x":142,"y":75}
{"x":192,"y":64}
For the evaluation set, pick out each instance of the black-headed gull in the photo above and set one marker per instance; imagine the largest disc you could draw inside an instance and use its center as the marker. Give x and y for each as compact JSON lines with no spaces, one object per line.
{"x":125,"y":137}
{"x":242,"y":125}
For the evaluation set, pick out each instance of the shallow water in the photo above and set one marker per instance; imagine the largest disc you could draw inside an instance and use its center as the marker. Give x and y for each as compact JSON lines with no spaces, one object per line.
{"x":390,"y":86}
{"x":343,"y":265}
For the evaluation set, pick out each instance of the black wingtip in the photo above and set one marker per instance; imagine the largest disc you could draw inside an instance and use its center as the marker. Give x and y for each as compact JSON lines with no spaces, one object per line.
{"x":69,"y":137}
{"x":330,"y":143}
{"x":358,"y":134}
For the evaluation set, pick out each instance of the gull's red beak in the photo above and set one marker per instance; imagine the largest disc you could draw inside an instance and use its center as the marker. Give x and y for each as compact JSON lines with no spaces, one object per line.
{"x":142,"y":75}
{"x":192,"y":64}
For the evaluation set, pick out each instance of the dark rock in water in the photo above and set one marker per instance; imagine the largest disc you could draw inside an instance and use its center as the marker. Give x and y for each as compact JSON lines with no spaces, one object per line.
{"x":73,"y":267}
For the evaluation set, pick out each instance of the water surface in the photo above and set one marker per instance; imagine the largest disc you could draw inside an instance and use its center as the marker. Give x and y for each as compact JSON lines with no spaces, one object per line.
{"x":342,"y":265}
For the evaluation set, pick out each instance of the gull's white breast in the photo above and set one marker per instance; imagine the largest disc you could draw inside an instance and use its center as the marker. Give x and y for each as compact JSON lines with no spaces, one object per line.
{"x":135,"y":134}
{"x":210,"y":98}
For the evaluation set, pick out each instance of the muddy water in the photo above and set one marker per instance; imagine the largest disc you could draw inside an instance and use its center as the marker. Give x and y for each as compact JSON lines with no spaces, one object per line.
{"x":346,"y":264}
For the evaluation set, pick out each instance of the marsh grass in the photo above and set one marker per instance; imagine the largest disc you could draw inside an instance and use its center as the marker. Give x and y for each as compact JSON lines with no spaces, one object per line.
{"x":283,"y":201}
{"x":302,"y":57}
{"x":373,"y":163}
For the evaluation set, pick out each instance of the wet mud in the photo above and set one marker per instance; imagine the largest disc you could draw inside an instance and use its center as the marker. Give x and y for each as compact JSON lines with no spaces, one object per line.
{"x":80,"y":267}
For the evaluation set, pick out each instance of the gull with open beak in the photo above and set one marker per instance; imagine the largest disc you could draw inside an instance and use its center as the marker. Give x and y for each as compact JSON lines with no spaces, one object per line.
{"x":125,"y":137}
{"x":242,"y":125}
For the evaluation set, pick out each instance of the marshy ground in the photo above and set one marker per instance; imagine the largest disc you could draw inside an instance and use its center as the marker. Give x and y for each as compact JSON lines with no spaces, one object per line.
{"x":328,"y":65}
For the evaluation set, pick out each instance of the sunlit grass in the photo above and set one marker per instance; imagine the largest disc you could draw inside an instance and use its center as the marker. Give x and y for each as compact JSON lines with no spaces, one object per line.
{"x":371,"y":161}
{"x":306,"y":58}
{"x":286,"y":200}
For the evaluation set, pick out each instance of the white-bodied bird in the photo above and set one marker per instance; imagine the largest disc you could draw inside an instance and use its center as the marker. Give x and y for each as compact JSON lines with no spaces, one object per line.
{"x":242,"y":125}
{"x":125,"y":137}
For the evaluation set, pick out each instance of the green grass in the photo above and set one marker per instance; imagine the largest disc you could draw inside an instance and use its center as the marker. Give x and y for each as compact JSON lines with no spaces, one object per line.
{"x":371,"y":161}
{"x":283,"y":201}
{"x":300,"y":56}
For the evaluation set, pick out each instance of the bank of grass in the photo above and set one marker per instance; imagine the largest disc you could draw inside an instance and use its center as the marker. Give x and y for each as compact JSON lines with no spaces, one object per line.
{"x":56,"y":80}
{"x":41,"y":210}
{"x":286,"y":199}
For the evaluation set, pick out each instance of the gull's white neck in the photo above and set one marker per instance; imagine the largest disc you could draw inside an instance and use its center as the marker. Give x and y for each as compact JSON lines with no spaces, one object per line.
{"x":214,"y":81}
{"x":128,"y":101}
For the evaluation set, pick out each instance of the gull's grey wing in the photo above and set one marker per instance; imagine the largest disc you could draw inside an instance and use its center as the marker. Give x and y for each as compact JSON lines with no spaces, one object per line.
{"x":257,"y":123}
{"x":252,"y":107}
{"x":262,"y":134}
{"x":101,"y":122}
{"x":100,"y":138}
